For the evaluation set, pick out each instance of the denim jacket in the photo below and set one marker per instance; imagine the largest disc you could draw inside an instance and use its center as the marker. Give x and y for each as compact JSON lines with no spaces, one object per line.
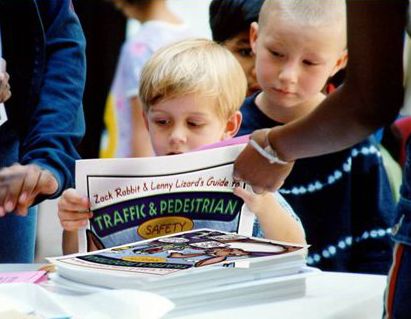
{"x":44,"y":47}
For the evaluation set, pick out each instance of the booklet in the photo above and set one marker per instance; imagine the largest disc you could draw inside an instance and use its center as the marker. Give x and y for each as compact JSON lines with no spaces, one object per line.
{"x":136,"y":199}
{"x":204,"y":257}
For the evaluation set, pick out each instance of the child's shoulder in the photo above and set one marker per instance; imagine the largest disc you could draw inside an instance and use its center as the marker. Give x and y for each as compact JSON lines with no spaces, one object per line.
{"x":366,"y":155}
{"x":249,"y":102}
{"x":368,"y":147}
{"x":355,"y":158}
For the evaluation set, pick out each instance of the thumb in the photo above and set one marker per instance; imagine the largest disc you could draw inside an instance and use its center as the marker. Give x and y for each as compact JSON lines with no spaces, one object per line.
{"x":47,"y":183}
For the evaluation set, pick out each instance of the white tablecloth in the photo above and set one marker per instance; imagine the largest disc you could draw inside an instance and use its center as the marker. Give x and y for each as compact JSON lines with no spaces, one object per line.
{"x":328,"y":295}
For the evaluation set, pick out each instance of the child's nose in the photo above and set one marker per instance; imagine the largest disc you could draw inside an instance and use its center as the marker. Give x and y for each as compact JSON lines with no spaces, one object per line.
{"x":288,"y":73}
{"x":178,"y":135}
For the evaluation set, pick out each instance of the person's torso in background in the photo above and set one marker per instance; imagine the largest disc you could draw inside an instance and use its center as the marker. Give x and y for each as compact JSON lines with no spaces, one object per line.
{"x":135,"y":52}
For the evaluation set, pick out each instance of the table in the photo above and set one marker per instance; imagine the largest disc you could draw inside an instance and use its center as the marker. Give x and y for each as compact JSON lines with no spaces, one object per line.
{"x":329,"y":295}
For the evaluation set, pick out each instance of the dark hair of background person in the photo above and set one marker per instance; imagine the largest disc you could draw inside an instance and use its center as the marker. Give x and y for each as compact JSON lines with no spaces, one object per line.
{"x":230,"y":17}
{"x":104,"y":28}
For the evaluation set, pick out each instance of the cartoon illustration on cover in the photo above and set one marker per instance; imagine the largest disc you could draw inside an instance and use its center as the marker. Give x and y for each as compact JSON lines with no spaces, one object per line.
{"x":183,"y":251}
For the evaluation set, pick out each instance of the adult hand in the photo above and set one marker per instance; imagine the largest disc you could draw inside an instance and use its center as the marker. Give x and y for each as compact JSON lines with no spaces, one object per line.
{"x":21,"y":184}
{"x":254,"y":169}
{"x":5,"y":92}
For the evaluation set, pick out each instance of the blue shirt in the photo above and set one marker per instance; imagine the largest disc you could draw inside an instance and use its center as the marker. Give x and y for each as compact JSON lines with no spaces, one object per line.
{"x":343,"y":200}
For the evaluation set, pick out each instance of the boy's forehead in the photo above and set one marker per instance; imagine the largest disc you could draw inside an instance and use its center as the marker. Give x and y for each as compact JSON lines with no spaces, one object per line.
{"x":331,"y":13}
{"x":279,"y":27}
{"x":194,"y":102}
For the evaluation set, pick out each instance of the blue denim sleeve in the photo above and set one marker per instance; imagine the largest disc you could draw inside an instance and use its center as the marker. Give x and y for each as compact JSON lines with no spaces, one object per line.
{"x":57,"y":123}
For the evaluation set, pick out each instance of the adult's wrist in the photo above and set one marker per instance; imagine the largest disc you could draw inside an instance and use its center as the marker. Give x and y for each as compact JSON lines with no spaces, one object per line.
{"x":264,"y":148}
{"x":272,"y":139}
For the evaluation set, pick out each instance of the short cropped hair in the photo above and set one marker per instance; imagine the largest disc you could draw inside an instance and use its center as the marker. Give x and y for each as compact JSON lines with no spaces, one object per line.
{"x":195,"y":66}
{"x":308,"y":12}
{"x":230,"y":17}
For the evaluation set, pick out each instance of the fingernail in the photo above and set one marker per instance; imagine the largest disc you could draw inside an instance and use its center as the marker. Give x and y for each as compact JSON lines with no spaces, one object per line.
{"x":9,"y":206}
{"x":22,"y":198}
{"x":258,"y":190}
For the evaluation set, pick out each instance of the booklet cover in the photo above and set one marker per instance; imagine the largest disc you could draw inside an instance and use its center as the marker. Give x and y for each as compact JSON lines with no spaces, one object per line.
{"x":141,"y":198}
{"x":188,"y":257}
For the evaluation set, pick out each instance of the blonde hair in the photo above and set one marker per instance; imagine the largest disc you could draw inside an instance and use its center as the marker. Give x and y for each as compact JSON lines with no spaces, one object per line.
{"x":317,"y":13}
{"x":196,"y":66}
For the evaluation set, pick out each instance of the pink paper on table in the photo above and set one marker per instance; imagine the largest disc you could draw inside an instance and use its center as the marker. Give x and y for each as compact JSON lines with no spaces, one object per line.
{"x":35,"y":277}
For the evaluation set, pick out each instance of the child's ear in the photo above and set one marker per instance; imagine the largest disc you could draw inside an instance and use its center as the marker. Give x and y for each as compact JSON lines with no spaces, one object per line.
{"x":341,"y":62}
{"x":253,"y":36}
{"x":233,"y":125}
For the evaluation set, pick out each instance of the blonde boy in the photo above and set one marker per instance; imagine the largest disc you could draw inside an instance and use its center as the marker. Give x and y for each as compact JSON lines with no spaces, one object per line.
{"x":191,"y":92}
{"x":298,"y":45}
{"x":194,"y":84}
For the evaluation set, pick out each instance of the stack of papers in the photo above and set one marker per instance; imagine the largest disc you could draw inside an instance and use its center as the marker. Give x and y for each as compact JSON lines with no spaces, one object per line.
{"x":158,"y":208}
{"x":195,"y":269}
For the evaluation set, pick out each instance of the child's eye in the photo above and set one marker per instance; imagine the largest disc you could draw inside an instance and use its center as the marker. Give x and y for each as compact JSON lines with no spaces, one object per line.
{"x":194,"y":124}
{"x":246,"y":52}
{"x":161,"y":122}
{"x":276,"y":54}
{"x":309,"y":63}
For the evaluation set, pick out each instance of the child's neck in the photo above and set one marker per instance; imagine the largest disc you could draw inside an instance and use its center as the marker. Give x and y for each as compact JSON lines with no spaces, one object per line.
{"x":283,"y":114}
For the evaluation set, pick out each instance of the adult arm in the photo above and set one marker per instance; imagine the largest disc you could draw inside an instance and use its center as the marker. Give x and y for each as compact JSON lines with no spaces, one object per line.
{"x":57,"y":123}
{"x":370,"y":97}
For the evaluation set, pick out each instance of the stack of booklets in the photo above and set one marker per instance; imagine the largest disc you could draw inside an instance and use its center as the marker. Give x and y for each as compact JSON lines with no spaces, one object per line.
{"x":196,"y":268}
